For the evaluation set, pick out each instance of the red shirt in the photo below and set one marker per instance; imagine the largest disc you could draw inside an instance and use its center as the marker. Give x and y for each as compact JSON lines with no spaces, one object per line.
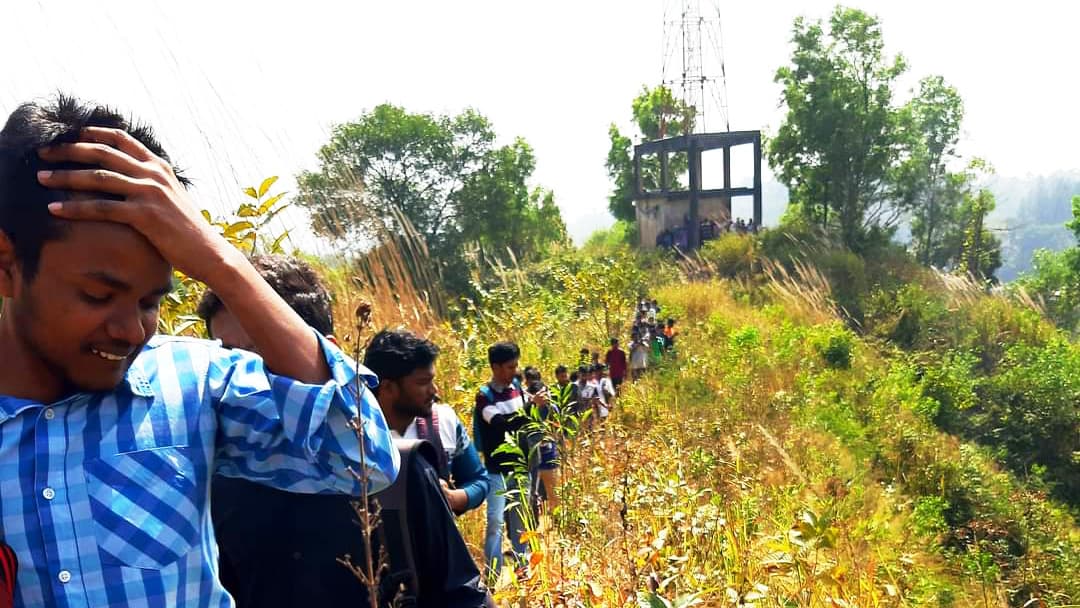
{"x":616,"y":362}
{"x":8,"y":565}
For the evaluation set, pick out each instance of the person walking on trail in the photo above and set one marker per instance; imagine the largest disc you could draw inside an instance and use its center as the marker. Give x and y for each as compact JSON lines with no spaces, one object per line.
{"x":109,"y":435}
{"x":584,"y":357}
{"x":607,"y":387}
{"x":599,"y":391}
{"x":588,"y":396}
{"x":499,"y":416}
{"x":289,"y":567}
{"x":405,"y":364}
{"x":658,"y":344}
{"x":616,"y":363}
{"x":564,"y":392}
{"x":639,"y":358}
{"x":669,"y":334}
{"x":544,"y":457}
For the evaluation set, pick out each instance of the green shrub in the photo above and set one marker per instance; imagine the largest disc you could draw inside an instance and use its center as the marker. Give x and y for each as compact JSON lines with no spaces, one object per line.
{"x":846,"y":273}
{"x":834,"y":344}
{"x":730,"y":256}
{"x":1033,"y":410}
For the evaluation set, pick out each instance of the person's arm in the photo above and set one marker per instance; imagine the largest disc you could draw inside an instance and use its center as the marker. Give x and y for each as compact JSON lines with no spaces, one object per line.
{"x":494,"y":417}
{"x":295,"y":436}
{"x":470,"y":476}
{"x":157,"y":206}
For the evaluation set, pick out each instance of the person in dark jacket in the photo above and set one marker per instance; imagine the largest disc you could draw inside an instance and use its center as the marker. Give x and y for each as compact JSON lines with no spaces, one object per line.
{"x":280,"y":549}
{"x":500,"y":414}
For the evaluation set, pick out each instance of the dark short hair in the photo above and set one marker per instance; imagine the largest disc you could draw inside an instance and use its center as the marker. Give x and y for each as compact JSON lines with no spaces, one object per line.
{"x":501,"y":352}
{"x":295,"y":281}
{"x":532,"y":374}
{"x":614,"y":341}
{"x":394,"y":354}
{"x":583,"y":369}
{"x":24,"y":214}
{"x":560,"y":369}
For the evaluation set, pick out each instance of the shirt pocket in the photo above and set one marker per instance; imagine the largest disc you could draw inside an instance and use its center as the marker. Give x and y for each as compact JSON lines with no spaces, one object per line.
{"x":146,"y":506}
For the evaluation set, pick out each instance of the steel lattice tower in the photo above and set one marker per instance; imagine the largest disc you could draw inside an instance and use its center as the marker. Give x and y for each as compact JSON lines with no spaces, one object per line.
{"x":693,"y":60}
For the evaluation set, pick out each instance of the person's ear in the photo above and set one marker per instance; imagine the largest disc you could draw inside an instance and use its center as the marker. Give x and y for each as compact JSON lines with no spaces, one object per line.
{"x":9,"y":271}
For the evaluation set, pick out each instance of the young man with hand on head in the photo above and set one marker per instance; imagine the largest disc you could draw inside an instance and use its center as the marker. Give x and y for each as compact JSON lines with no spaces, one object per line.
{"x":109,"y":436}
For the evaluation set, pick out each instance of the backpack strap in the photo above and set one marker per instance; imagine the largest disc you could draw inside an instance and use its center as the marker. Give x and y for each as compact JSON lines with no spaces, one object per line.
{"x":427,"y":428}
{"x":477,"y":437}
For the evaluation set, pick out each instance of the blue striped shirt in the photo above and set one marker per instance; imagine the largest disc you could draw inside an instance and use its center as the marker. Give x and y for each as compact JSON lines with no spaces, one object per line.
{"x":105,"y":497}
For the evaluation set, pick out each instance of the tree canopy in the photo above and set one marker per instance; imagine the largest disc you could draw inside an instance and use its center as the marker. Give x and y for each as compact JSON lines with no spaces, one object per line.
{"x":440,"y":175}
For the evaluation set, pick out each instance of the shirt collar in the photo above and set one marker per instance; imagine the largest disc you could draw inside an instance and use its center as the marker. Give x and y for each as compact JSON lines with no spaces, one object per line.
{"x":134,"y":382}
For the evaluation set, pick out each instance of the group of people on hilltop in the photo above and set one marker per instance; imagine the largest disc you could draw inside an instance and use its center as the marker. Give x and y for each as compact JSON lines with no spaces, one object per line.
{"x":678,"y":237}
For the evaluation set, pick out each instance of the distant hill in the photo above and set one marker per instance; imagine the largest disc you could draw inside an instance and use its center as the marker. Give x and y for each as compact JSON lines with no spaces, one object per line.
{"x":1031,"y":214}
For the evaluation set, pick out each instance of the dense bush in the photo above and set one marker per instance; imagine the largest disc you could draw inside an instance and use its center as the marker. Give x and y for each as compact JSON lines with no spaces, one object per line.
{"x":730,"y":256}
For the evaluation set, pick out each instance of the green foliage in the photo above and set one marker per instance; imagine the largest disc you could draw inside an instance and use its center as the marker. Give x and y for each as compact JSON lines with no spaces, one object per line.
{"x":909,"y":317}
{"x":846,"y":273}
{"x":840,"y":145}
{"x":620,"y":235}
{"x":620,"y":168}
{"x":731,"y":255}
{"x":248,"y":230}
{"x":1030,"y":409}
{"x":934,"y":194}
{"x":980,"y":254}
{"x":657,"y":114}
{"x":392,"y":171}
{"x":835,"y":345}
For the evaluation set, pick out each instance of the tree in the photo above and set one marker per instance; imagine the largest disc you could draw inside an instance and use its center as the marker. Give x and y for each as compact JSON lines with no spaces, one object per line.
{"x":980,"y":255}
{"x":499,"y":212}
{"x":842,"y":143}
{"x":933,"y":193}
{"x":392,"y":171}
{"x":657,"y":115}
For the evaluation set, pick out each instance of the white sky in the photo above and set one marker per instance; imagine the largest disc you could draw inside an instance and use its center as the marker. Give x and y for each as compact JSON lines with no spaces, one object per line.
{"x":244,"y":90}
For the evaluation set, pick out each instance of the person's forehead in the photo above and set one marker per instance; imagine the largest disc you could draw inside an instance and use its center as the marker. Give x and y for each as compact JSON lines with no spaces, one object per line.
{"x":103,"y":249}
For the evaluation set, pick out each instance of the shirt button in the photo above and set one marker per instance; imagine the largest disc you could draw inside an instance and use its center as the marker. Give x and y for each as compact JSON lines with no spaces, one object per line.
{"x":48,"y":493}
{"x":50,"y":414}
{"x":64,"y":576}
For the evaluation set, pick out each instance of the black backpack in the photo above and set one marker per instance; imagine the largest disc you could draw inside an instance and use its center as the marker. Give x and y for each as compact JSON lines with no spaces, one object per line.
{"x":394,"y":505}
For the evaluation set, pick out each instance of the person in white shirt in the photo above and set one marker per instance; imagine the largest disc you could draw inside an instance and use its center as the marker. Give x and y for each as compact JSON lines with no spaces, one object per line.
{"x":639,"y":357}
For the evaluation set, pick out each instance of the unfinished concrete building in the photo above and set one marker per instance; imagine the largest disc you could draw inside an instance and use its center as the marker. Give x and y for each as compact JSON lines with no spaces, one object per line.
{"x":663,"y":211}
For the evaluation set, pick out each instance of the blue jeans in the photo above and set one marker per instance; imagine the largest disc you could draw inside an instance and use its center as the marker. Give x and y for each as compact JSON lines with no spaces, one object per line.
{"x":504,"y":489}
